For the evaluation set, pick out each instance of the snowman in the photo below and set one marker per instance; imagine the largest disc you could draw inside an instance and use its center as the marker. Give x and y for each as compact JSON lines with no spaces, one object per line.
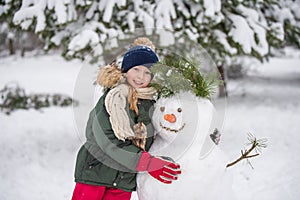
{"x":183,"y":124}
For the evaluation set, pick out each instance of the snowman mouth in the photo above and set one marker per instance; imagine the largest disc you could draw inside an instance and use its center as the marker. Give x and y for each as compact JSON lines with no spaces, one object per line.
{"x":170,"y":129}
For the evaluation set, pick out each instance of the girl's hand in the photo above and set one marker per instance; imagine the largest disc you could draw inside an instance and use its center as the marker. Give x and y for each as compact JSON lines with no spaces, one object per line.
{"x":162,"y":170}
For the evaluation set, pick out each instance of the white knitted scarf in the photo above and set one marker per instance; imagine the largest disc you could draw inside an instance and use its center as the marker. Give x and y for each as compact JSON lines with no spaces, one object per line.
{"x":115,"y":103}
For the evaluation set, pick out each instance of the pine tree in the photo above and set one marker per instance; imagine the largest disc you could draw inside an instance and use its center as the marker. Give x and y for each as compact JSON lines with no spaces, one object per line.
{"x":286,"y":13}
{"x":225,"y":28}
{"x":12,"y":37}
{"x":7,"y":29}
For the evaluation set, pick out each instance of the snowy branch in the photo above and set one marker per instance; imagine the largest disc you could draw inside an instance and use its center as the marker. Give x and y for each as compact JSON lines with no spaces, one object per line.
{"x":256,"y":144}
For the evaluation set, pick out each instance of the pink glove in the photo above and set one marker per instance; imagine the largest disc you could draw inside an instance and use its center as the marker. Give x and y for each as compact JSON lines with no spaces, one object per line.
{"x":159,"y":168}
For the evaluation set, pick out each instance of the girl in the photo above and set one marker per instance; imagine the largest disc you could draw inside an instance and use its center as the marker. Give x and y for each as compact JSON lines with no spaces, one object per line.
{"x":119,"y":133}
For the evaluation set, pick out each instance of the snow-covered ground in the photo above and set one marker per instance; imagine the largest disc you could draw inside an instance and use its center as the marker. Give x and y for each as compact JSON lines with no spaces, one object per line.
{"x":39,"y":147}
{"x":267,"y":104}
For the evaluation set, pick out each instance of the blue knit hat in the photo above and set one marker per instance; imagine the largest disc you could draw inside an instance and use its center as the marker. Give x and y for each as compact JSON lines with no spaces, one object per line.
{"x":138,"y":55}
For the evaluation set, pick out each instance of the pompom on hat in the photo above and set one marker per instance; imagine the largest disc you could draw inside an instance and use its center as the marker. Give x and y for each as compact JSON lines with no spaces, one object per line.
{"x":138,"y":55}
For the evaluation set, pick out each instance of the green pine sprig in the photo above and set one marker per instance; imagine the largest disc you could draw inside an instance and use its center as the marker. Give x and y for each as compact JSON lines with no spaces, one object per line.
{"x":175,"y":74}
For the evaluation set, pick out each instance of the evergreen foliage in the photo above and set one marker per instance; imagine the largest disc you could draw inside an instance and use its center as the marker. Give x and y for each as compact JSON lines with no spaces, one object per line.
{"x":85,"y":29}
{"x":13,"y":97}
{"x":176,"y":74}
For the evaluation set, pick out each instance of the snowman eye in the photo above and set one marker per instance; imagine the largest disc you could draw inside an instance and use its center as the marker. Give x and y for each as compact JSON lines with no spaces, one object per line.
{"x":162,"y":109}
{"x":179,"y":110}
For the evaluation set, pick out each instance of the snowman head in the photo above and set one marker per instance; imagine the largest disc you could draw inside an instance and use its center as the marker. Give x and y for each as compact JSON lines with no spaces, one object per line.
{"x":181,"y":122}
{"x":168,"y":117}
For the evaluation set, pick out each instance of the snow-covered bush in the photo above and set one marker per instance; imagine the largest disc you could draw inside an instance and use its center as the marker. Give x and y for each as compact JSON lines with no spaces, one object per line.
{"x":13,"y":97}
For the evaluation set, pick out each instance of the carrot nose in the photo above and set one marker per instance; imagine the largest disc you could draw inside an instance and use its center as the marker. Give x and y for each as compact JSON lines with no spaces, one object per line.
{"x":170,"y":118}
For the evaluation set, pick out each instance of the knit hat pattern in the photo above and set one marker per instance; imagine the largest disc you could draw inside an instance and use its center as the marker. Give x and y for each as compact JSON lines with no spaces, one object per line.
{"x":138,"y":55}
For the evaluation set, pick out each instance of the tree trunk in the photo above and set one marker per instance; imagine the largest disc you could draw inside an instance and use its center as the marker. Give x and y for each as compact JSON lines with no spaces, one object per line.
{"x":222,"y":87}
{"x":11,"y":46}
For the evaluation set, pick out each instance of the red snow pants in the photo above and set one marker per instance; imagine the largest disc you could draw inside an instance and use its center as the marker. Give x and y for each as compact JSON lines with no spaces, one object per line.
{"x":93,"y":192}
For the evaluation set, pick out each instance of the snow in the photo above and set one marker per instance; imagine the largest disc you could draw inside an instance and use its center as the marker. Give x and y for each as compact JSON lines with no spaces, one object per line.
{"x":212,"y":7}
{"x":182,"y":8}
{"x":42,"y":74}
{"x":191,"y":35}
{"x":240,"y":27}
{"x":251,"y":27}
{"x":130,"y":20}
{"x":166,"y":38}
{"x":60,"y":10}
{"x":24,"y":18}
{"x":30,"y":10}
{"x":285,"y":14}
{"x":107,"y":6}
{"x":258,"y":27}
{"x":188,"y":134}
{"x":221,"y":37}
{"x":83,"y":39}
{"x":39,"y":147}
{"x":278,"y":29}
{"x":148,"y":22}
{"x":266,"y":103}
{"x":58,"y":37}
{"x":164,"y":14}
{"x":91,"y":11}
{"x":194,"y":10}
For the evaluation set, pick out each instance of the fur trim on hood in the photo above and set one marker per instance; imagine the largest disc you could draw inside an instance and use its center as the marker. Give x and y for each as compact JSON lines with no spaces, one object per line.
{"x":110,"y":76}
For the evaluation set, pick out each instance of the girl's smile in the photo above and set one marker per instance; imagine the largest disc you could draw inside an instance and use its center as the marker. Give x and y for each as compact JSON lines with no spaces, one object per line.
{"x":138,"y":76}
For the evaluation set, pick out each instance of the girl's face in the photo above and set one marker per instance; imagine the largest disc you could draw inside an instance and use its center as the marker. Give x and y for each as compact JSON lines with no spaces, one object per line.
{"x":138,"y":76}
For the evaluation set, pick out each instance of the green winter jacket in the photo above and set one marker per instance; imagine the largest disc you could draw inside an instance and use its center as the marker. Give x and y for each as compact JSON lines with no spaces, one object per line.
{"x":103,"y":159}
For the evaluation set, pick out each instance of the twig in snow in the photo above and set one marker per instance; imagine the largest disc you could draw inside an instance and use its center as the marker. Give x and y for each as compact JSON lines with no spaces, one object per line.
{"x":256,"y":144}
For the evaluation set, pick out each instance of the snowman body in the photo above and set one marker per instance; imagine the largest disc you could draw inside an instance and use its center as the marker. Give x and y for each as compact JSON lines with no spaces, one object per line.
{"x":183,"y":123}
